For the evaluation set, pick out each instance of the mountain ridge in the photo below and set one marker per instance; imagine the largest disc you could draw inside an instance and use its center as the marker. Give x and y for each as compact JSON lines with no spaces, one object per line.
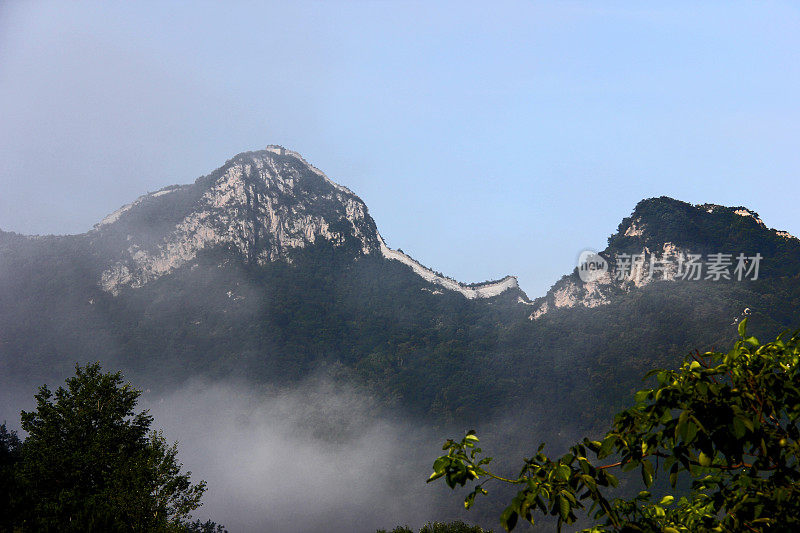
{"x":243,"y":205}
{"x":256,"y":186}
{"x":264,"y":204}
{"x":381,"y":319}
{"x":667,"y":231}
{"x":268,"y":203}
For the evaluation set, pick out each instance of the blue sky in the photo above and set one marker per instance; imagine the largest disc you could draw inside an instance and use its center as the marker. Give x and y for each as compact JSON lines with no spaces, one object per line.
{"x":486,"y":138}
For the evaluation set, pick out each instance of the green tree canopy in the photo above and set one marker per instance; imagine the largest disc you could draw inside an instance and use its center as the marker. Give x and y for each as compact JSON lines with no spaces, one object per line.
{"x":10,"y":452}
{"x":91,"y":463}
{"x":726,"y":422}
{"x":440,"y":527}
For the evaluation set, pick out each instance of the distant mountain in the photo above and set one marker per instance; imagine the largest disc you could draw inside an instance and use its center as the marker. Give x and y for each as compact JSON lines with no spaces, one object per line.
{"x":263,"y":206}
{"x":265,"y":268}
{"x":269,"y":271}
{"x":670,"y":240}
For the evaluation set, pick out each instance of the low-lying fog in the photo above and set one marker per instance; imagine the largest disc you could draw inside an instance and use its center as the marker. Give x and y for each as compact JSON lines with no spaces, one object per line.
{"x":313,"y":458}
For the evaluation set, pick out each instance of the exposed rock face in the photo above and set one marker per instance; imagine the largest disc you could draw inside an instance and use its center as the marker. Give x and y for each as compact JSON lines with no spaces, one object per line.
{"x":656,"y":244}
{"x":261,"y":204}
{"x":264,"y":205}
{"x":571,"y":291}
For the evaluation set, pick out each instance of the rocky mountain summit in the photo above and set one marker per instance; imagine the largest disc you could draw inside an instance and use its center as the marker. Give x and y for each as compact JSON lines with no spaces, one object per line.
{"x":260,"y":205}
{"x":666,"y":240}
{"x":264,"y":206}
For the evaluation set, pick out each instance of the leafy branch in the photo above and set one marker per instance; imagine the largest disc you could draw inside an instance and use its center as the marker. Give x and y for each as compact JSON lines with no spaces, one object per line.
{"x":727,"y":421}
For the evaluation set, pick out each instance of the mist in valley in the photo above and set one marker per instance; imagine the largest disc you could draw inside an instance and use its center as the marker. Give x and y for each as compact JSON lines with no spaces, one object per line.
{"x":314,"y":457}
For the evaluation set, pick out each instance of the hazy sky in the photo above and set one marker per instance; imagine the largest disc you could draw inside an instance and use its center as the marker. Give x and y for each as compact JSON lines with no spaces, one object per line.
{"x":486,"y":138}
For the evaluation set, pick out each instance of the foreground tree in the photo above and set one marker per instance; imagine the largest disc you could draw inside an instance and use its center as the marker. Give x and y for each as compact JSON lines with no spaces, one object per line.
{"x":727,"y":422}
{"x":10,"y":453}
{"x":440,"y":527}
{"x":91,"y":463}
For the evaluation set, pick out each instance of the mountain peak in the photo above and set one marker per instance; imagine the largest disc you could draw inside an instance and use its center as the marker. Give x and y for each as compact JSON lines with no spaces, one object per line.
{"x":667,"y":231}
{"x":278,"y":163}
{"x":265,"y":205}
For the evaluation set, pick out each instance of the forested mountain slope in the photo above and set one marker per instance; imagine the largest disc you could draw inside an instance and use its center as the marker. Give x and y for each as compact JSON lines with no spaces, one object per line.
{"x":268,"y":271}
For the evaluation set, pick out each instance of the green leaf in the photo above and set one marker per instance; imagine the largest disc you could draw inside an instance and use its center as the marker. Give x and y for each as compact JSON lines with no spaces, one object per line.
{"x":647,"y":473}
{"x":563,"y":472}
{"x":747,"y":421}
{"x":509,"y":518}
{"x":606,"y":447}
{"x":435,"y":476}
{"x":690,"y":432}
{"x":673,"y":478}
{"x":739,"y":429}
{"x":742,"y":328}
{"x":563,"y":507}
{"x":673,"y":474}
